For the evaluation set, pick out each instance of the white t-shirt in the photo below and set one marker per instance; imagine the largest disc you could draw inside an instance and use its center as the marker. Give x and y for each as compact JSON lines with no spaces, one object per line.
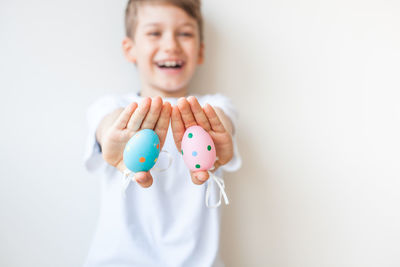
{"x":167,"y":224}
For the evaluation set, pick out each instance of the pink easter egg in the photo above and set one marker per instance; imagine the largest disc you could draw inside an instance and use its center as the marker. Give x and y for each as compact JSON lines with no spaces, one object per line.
{"x":198,"y":149}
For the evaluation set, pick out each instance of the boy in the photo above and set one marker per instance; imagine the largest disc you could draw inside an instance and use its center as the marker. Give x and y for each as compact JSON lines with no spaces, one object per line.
{"x":163,"y":220}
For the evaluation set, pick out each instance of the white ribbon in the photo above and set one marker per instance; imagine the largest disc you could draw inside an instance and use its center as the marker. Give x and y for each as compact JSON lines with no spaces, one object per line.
{"x":157,"y":169}
{"x":129,"y":175}
{"x":221,"y":184}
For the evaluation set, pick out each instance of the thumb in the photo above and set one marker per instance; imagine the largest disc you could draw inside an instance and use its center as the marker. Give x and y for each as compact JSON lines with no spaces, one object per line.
{"x":144,"y":179}
{"x":199,"y":177}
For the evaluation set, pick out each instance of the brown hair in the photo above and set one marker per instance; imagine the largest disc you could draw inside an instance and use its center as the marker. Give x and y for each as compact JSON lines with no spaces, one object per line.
{"x":191,"y":7}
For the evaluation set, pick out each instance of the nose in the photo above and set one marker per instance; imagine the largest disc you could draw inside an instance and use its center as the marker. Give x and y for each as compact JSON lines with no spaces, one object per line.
{"x":171,"y":43}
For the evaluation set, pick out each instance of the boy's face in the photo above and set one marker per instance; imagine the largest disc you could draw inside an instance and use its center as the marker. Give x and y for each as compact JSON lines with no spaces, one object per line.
{"x":166,"y":48}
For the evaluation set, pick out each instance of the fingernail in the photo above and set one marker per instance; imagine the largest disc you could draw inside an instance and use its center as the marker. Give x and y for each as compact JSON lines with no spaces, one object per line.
{"x":138,"y":180}
{"x":201,"y":177}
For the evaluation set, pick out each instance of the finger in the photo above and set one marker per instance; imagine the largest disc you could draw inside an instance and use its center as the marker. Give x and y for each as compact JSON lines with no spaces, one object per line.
{"x":178,"y":127}
{"x":198,"y":113}
{"x":213,"y":118}
{"x":125,"y":115}
{"x":199,"y":177}
{"x":140,"y":113}
{"x":186,"y":112}
{"x":162,"y":125}
{"x":144,"y":179}
{"x":217,"y":164}
{"x":152,"y":116}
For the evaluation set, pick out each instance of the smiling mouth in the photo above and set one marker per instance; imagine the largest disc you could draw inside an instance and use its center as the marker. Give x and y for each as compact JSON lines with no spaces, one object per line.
{"x":171,"y":64}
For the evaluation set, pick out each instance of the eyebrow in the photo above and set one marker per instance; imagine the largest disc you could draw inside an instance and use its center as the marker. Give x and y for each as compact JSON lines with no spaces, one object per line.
{"x":157,"y":24}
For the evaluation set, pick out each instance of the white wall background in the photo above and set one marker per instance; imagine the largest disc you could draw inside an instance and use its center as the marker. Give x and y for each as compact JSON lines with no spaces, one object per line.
{"x":317,"y":87}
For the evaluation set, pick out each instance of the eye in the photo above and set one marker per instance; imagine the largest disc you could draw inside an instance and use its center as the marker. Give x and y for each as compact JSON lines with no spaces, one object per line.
{"x":154,"y":34}
{"x":186,"y":34}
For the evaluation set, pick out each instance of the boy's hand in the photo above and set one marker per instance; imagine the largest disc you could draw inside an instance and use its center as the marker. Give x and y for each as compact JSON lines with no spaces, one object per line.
{"x":150,"y":114}
{"x":188,"y":112}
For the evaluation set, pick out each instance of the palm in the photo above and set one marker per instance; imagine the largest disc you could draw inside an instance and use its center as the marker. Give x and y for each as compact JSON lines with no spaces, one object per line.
{"x":114,"y":143}
{"x":148,"y":115}
{"x":223,"y":145}
{"x":189,"y":113}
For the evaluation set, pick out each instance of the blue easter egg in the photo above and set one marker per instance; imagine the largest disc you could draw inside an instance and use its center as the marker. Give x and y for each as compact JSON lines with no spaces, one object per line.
{"x":142,"y":150}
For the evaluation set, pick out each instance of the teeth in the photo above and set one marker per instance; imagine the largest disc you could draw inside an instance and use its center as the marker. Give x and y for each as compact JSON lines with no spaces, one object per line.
{"x":170,"y":63}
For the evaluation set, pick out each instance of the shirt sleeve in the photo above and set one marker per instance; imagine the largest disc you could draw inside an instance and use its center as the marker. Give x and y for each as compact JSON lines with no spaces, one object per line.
{"x":224,"y":103}
{"x":93,"y":159}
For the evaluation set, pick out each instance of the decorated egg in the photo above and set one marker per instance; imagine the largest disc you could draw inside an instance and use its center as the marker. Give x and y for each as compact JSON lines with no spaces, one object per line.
{"x":141,"y":151}
{"x":198,"y":149}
